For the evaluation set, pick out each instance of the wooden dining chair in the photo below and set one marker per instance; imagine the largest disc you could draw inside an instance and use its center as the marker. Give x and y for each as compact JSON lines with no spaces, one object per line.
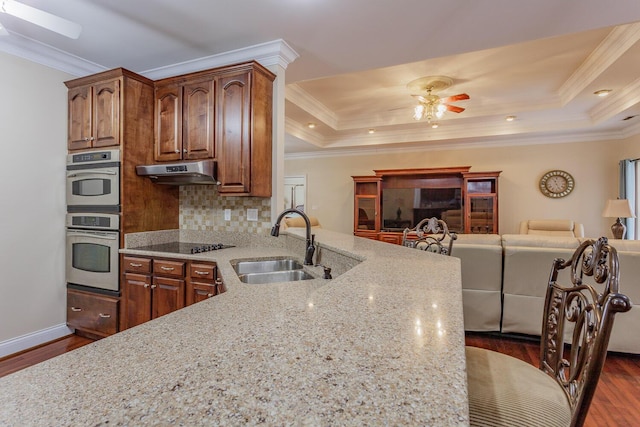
{"x":505,"y":391}
{"x":431,"y":235}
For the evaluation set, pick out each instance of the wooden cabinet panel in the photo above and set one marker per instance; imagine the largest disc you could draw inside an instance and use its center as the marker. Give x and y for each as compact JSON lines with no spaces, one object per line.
{"x":168,"y":123}
{"x":198,"y":291}
{"x":170,"y":268}
{"x":80,"y":116}
{"x":94,"y":115}
{"x":92,"y":313}
{"x":167,"y":295}
{"x":137,"y":295}
{"x":136,"y":265}
{"x":198,"y":120}
{"x":233,"y":143}
{"x":106,"y":114}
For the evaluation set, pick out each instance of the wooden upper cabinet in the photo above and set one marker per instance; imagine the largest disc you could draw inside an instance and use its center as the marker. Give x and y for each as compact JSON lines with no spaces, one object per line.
{"x":94,"y":115}
{"x":244,"y":130}
{"x":198,"y":120}
{"x":185,"y":119}
{"x":168,"y":123}
{"x":234,"y":144}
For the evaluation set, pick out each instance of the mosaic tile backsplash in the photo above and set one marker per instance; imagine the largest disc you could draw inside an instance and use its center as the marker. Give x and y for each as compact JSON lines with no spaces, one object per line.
{"x":202,"y":208}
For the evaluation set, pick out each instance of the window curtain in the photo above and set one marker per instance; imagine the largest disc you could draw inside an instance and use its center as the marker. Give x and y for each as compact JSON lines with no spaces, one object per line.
{"x":628,"y":178}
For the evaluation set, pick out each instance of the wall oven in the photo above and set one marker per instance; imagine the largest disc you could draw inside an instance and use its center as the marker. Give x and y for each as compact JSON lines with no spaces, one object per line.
{"x":93,"y":181}
{"x":92,"y":245}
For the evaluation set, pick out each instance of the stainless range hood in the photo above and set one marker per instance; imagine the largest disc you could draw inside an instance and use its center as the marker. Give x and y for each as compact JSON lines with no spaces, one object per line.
{"x":183,"y":173}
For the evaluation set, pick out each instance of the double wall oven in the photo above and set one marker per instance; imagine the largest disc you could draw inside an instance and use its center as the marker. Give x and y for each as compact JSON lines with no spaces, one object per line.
{"x":93,"y":221}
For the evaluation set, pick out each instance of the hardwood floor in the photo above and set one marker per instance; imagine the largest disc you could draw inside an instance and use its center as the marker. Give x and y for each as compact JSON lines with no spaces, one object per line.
{"x":616,"y":402}
{"x":24,"y":359}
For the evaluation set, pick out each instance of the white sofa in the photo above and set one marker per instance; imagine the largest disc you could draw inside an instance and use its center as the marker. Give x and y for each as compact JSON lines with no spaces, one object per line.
{"x":481,"y":263}
{"x":552,"y":227}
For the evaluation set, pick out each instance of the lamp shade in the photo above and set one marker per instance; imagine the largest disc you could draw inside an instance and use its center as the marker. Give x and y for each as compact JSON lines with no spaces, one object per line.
{"x":619,"y":208}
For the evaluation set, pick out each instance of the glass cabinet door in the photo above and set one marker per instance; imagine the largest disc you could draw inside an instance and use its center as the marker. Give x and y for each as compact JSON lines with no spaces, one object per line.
{"x":365,"y":213}
{"x":481,"y":218}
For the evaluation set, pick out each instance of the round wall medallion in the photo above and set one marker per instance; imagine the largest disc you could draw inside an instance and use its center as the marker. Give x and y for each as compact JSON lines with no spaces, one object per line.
{"x":556,"y":184}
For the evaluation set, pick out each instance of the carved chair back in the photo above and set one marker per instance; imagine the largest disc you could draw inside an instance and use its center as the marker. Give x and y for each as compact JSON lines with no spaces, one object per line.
{"x":430,"y":234}
{"x":587,"y":311}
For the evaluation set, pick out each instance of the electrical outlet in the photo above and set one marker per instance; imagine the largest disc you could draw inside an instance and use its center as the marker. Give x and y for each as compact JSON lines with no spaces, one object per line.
{"x":227,"y":214}
{"x":252,"y":214}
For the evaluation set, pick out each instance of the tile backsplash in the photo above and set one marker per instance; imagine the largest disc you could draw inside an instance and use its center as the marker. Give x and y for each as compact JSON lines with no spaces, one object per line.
{"x":202,"y":208}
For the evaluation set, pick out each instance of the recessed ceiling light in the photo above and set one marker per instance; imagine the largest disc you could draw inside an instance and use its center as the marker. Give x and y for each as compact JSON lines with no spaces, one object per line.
{"x":372,"y":131}
{"x":603,"y":92}
{"x":510,"y":118}
{"x":311,"y":125}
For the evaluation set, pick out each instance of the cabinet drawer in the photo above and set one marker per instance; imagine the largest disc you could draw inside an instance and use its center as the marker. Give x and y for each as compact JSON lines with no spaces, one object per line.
{"x":92,"y":312}
{"x":165,"y":267}
{"x":137,"y":265}
{"x":202,"y":271}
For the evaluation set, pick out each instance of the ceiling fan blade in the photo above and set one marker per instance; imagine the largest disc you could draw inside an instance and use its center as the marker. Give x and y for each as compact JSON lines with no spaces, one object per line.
{"x":454,"y":108}
{"x":41,"y":18}
{"x":3,"y":31}
{"x":454,"y":98}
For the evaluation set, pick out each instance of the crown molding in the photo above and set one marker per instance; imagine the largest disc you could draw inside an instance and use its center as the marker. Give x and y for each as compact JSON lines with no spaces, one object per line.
{"x":612,"y":47}
{"x":276,"y":52}
{"x":24,"y":47}
{"x":301,"y":98}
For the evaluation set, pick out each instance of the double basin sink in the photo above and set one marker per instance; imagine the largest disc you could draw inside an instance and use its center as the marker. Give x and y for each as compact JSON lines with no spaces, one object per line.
{"x":270,"y":271}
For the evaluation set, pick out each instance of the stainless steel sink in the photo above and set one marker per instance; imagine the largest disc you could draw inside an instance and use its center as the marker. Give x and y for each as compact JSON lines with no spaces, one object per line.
{"x":266,"y":266}
{"x":275,"y":277}
{"x":270,"y":271}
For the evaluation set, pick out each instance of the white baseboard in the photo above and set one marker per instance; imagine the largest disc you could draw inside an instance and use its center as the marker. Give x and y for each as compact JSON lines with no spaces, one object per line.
{"x":33,"y":339}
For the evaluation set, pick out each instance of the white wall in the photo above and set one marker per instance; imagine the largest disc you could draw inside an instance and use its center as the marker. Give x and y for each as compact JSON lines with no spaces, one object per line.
{"x":32,"y":190}
{"x":594,"y":166}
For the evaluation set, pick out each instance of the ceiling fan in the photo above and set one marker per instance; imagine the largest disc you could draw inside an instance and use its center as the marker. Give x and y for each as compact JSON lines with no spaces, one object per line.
{"x":431,"y":106}
{"x":39,"y":17}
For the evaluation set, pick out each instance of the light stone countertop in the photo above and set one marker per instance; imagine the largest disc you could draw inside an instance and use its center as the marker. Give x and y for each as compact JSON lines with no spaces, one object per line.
{"x":382,"y":343}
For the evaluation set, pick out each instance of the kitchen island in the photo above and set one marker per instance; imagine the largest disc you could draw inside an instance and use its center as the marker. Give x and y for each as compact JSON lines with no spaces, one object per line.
{"x":382,"y":342}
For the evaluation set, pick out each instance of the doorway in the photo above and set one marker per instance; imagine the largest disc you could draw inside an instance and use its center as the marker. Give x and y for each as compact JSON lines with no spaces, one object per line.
{"x":295,"y":192}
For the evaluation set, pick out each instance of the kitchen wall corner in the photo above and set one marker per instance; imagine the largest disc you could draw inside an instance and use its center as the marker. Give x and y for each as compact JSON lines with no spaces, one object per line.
{"x":202,"y":208}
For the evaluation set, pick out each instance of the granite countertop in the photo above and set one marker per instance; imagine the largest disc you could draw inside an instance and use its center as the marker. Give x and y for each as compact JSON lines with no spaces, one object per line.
{"x":380,"y":343}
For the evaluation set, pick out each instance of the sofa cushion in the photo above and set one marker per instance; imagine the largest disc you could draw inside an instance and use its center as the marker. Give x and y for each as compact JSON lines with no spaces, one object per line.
{"x":552,"y":227}
{"x":539,"y":241}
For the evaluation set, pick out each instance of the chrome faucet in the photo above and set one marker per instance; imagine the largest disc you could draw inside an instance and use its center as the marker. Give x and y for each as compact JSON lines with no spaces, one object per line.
{"x":275,"y":231}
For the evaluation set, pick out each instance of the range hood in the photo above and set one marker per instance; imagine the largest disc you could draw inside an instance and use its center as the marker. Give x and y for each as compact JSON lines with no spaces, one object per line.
{"x":183,"y":173}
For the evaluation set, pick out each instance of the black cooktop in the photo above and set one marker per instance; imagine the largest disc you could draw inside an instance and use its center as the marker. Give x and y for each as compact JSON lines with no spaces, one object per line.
{"x":184,"y":248}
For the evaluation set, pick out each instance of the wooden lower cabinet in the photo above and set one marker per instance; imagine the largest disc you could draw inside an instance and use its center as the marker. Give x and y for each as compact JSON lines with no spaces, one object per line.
{"x":153,"y":287}
{"x":92,"y":314}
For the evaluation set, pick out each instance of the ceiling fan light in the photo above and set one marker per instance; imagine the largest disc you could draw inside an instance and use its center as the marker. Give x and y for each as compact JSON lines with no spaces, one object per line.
{"x":41,"y":18}
{"x":434,"y":125}
{"x":418,"y":112}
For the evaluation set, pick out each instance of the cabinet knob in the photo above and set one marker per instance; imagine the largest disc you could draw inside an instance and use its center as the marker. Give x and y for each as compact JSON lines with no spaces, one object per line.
{"x":209,"y":295}
{"x":177,"y":151}
{"x":104,"y":316}
{"x":86,"y":138}
{"x":184,"y":151}
{"x":135,"y":265}
{"x":154,"y":286}
{"x":146,"y":285}
{"x":201,"y":273}
{"x":166,"y":268}
{"x":76,"y":309}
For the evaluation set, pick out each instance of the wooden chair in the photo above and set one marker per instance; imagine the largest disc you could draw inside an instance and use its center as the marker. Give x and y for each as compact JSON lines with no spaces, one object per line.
{"x":431,"y":235}
{"x":505,"y":391}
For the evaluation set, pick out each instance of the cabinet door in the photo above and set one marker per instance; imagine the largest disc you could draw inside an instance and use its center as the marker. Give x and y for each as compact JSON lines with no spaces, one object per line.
{"x":106,"y":114}
{"x":482,"y":218}
{"x":93,"y":313}
{"x":198,"y":119}
{"x":199,"y":291}
{"x":168,"y":123}
{"x":137,"y":294}
{"x":233,"y":142}
{"x":80,"y":131}
{"x":167,"y":295}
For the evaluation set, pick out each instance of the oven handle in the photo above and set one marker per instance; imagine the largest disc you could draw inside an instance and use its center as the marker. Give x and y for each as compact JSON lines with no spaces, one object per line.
{"x":80,"y":173}
{"x":94,"y":235}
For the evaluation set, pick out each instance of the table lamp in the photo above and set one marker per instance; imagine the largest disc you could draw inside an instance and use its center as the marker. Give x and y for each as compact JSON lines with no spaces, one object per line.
{"x":619,"y":208}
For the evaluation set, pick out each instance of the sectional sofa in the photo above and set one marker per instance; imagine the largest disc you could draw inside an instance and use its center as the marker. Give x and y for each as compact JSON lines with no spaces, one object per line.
{"x":504,"y":281}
